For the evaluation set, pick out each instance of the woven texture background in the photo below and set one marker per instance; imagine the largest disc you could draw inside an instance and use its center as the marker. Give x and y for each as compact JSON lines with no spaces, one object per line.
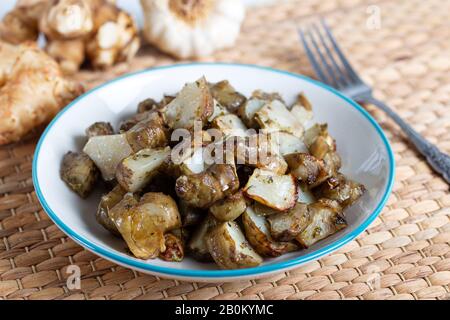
{"x":404,"y":254}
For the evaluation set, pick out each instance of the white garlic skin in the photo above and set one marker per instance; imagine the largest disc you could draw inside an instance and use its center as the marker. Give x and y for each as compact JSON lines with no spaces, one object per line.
{"x":217,"y":29}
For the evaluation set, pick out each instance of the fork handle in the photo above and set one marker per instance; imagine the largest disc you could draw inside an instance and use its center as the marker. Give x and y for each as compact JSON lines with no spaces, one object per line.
{"x":438,"y":160}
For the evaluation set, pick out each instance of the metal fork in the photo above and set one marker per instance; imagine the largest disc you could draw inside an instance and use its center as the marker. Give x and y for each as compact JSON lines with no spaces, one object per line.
{"x":333,"y":68}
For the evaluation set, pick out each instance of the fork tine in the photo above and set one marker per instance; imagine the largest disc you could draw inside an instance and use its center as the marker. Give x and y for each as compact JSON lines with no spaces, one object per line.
{"x":341,"y":75}
{"x":312,"y":59}
{"x":331,"y":74}
{"x":344,"y":60}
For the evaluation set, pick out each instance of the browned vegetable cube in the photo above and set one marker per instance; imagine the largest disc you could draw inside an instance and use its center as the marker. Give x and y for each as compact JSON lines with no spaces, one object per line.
{"x":272,"y":190}
{"x":147,"y":105}
{"x":107,"y":202}
{"x":203,"y":189}
{"x":326,"y":220}
{"x":286,"y":226}
{"x":99,"y":129}
{"x":229,"y":208}
{"x":341,"y":189}
{"x":148,"y":133}
{"x":143,"y":223}
{"x":258,"y":234}
{"x":230,"y":250}
{"x":305,"y":167}
{"x":136,"y":171}
{"x":227,"y":96}
{"x":193,"y":103}
{"x":79,"y":172}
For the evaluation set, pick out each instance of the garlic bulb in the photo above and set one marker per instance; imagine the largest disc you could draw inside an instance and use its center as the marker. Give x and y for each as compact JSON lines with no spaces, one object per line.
{"x":192,"y":28}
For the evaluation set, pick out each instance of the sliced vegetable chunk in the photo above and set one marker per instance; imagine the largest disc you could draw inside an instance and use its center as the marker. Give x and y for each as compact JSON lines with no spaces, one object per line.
{"x":273,"y":190}
{"x":228,"y":247}
{"x":107,"y":152}
{"x":258,"y":234}
{"x":135,"y":171}
{"x":79,"y":172}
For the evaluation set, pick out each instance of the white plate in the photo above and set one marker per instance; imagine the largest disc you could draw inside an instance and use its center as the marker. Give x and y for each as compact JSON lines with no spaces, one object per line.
{"x":365,"y":151}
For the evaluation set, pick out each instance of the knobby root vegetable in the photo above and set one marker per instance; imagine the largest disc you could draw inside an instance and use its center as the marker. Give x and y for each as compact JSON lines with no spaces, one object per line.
{"x":79,"y":172}
{"x":32,"y":90}
{"x":203,"y":189}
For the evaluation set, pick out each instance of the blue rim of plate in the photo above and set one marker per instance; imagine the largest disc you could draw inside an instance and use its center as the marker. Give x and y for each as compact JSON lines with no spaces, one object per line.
{"x":143,"y":265}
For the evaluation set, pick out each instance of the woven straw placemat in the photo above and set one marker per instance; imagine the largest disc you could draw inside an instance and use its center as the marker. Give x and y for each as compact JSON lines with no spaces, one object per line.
{"x":404,"y":254}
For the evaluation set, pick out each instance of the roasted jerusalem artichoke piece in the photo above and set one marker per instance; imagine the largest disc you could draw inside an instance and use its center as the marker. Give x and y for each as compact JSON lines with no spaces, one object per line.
{"x":247,"y":111}
{"x":174,"y":248}
{"x":229,"y":208}
{"x":273,"y":190}
{"x":326,"y":219}
{"x":319,"y":141}
{"x":143,"y":223}
{"x":258,"y":234}
{"x":121,"y":216}
{"x":228,"y":247}
{"x":302,"y":110}
{"x":107,"y":202}
{"x":227,"y":96}
{"x":79,"y":172}
{"x":306,"y":168}
{"x":203,"y":189}
{"x":286,"y":226}
{"x":340,"y":189}
{"x":275,"y":116}
{"x":147,"y":105}
{"x":323,"y":147}
{"x":107,"y":152}
{"x":193,"y":103}
{"x":196,"y":246}
{"x":230,"y":125}
{"x":135,"y":171}
{"x":332,"y":163}
{"x":148,"y":133}
{"x":186,"y":160}
{"x":150,"y":104}
{"x":286,"y":143}
{"x":99,"y":129}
